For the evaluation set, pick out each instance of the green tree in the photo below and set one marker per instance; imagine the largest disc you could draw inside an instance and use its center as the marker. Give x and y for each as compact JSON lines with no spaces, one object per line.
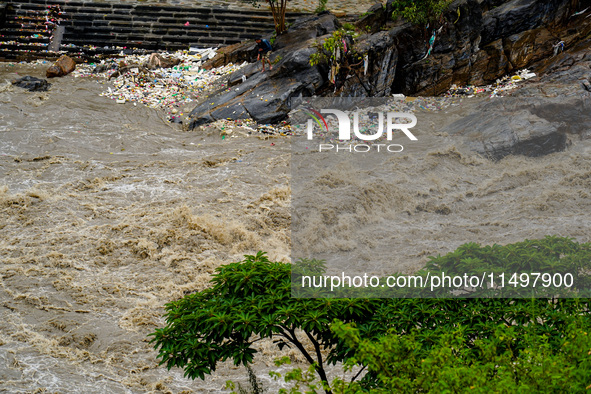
{"x":278,"y":9}
{"x":251,"y":300}
{"x":402,"y":363}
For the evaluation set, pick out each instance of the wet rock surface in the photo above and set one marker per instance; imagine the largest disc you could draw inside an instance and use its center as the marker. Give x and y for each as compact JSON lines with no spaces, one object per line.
{"x":264,"y":96}
{"x":538,"y":119}
{"x":512,"y":126}
{"x":32,"y":84}
{"x":544,"y":115}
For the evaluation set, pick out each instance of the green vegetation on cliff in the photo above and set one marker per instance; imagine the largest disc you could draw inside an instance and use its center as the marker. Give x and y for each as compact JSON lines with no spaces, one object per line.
{"x":420,"y":12}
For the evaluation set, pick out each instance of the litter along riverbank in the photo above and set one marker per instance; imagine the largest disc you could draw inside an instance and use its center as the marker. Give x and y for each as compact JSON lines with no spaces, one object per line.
{"x":175,"y":82}
{"x":140,"y":79}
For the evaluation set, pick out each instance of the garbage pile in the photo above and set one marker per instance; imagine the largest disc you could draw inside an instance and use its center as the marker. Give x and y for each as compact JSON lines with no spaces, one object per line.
{"x":166,"y":81}
{"x":494,"y":90}
{"x":169,"y":82}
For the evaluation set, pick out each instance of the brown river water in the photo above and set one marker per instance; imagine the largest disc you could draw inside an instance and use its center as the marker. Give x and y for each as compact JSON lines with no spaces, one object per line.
{"x":107,"y":212}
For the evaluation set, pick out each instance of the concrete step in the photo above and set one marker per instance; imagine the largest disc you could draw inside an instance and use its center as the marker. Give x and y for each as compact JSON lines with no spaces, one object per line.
{"x":14,"y":30}
{"x":135,"y":25}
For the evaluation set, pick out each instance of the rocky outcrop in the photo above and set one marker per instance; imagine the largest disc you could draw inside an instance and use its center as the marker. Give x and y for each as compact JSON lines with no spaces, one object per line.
{"x":477,"y":42}
{"x":381,"y":55}
{"x":538,"y":119}
{"x":477,"y":46}
{"x":517,"y":16}
{"x":306,"y":29}
{"x":265,"y":97}
{"x":374,"y":18}
{"x":530,"y":126}
{"x":504,"y":127}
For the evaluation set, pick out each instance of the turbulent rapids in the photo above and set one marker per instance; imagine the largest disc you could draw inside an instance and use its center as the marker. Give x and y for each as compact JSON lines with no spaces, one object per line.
{"x":108,"y":211}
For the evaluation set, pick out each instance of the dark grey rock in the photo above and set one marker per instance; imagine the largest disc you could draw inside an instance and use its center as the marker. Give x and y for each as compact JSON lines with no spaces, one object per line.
{"x":389,"y":8}
{"x":32,"y":84}
{"x":274,"y":105}
{"x":263,"y":97}
{"x":382,"y":61}
{"x":517,"y":16}
{"x":373,"y":19}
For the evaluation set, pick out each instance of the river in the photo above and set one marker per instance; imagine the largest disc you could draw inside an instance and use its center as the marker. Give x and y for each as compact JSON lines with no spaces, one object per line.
{"x":108,"y":211}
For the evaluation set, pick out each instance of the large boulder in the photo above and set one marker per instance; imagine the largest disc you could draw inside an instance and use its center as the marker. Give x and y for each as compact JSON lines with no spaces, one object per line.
{"x":62,"y":66}
{"x":265,"y":96}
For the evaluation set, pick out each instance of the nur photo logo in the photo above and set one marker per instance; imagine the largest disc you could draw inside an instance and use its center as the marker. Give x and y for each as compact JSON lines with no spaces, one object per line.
{"x":353,"y":130}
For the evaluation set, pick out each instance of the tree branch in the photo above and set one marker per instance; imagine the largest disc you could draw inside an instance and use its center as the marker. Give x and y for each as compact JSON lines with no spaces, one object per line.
{"x":320,"y":364}
{"x":358,"y":373}
{"x":298,"y":344}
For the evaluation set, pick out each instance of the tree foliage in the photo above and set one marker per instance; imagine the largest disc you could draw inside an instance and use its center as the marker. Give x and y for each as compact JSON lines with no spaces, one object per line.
{"x":420,"y":12}
{"x":326,"y":51}
{"x":249,"y":301}
{"x":398,"y":341}
{"x":509,"y":360}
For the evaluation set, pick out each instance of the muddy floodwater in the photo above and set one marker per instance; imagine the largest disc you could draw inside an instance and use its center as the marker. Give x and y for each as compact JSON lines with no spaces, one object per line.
{"x":107,"y":212}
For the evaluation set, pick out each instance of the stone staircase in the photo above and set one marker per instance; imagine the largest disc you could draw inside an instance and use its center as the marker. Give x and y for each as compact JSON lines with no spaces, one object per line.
{"x":95,"y":28}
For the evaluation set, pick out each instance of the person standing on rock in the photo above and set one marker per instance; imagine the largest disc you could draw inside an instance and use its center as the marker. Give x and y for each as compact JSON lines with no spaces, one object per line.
{"x":265,"y":48}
